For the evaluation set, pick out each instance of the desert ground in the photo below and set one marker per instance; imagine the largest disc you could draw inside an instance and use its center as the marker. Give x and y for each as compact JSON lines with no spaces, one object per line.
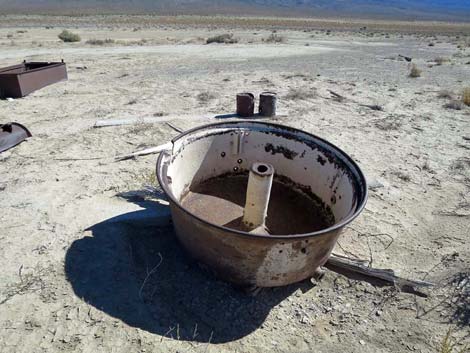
{"x":82,"y":234}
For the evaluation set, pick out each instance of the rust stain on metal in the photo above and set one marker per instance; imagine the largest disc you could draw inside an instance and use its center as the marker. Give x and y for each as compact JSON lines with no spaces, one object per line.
{"x":289,"y":154}
{"x":20,"y":80}
{"x":321,"y":160}
{"x":220,"y":200}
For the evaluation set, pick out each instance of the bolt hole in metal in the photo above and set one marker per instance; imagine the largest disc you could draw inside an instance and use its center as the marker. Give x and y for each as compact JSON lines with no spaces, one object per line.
{"x":210,"y":199}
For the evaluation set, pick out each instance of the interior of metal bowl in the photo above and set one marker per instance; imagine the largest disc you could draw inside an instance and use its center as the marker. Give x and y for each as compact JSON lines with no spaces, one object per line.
{"x":308,"y":163}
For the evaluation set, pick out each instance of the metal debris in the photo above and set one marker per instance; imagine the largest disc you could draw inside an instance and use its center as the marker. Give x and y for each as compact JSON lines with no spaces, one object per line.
{"x":267,"y":104}
{"x":11,"y":134}
{"x":245,"y":104}
{"x":20,"y":80}
{"x":228,"y":150}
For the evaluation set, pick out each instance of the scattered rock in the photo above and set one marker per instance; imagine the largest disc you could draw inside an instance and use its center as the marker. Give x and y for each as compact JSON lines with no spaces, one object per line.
{"x":375,"y":184}
{"x":454,"y":104}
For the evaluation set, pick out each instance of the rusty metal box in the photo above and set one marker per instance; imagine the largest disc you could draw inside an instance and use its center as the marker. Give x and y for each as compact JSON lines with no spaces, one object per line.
{"x":20,"y":80}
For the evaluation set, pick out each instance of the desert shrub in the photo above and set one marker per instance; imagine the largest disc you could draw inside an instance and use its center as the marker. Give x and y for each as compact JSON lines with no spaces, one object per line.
{"x":205,"y":97}
{"x":68,"y":37}
{"x":445,"y":94}
{"x":300,"y":94}
{"x":466,"y":96}
{"x":100,"y":41}
{"x":414,"y":71}
{"x":274,"y":38}
{"x":226,"y":38}
{"x":454,"y":104}
{"x":441,"y":60}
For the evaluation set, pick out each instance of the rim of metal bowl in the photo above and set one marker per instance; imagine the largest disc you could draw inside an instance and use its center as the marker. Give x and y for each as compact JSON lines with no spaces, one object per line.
{"x":361,"y":181}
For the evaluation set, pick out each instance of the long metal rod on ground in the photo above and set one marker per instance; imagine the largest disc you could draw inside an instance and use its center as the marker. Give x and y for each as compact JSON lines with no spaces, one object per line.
{"x":151,"y":150}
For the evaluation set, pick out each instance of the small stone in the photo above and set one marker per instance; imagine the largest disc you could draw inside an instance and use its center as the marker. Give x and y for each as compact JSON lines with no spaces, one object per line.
{"x":304,"y":320}
{"x":362,"y":342}
{"x":375,"y":185}
{"x":378,"y":313}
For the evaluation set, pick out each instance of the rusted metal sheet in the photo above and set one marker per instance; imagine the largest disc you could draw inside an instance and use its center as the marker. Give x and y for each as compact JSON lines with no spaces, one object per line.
{"x":267,"y":104}
{"x":245,"y":104}
{"x":20,"y":80}
{"x":318,"y":189}
{"x":12,"y":134}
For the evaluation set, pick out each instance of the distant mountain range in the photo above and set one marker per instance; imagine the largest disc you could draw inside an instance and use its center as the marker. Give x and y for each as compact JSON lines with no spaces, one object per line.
{"x":458,"y":10}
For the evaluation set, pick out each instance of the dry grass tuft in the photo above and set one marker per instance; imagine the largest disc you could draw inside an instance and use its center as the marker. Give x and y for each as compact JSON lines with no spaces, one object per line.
{"x":140,"y":128}
{"x":300,"y":94}
{"x":454,"y":104}
{"x":445,"y":94}
{"x":448,"y":345}
{"x":68,"y":37}
{"x":391,"y":123}
{"x":100,"y":41}
{"x":205,"y":97}
{"x":226,"y":38}
{"x":274,"y":38}
{"x":414,"y":71}
{"x":402,"y":176}
{"x":441,"y":60}
{"x":466,"y":96}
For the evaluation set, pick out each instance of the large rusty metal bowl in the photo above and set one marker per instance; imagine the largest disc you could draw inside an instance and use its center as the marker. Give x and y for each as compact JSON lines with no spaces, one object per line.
{"x":310,"y":162}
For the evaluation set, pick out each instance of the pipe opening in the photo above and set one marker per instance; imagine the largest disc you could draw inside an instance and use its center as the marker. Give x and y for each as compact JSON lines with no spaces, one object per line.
{"x":262,"y":168}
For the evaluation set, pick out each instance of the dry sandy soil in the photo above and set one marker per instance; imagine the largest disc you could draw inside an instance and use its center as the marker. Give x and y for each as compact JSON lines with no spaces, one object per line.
{"x":81,"y":234}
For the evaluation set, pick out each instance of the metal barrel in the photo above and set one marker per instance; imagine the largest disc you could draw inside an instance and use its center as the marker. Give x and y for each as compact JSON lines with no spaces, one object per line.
{"x":267,"y":104}
{"x":245,"y":104}
{"x":229,"y":149}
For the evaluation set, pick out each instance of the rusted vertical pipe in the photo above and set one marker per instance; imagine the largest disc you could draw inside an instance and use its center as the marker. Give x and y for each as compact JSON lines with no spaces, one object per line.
{"x":258,"y":193}
{"x":267,"y":104}
{"x":245,"y":104}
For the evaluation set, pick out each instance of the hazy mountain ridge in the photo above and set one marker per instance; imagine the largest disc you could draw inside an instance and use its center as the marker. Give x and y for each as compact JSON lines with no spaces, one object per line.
{"x":396,"y":9}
